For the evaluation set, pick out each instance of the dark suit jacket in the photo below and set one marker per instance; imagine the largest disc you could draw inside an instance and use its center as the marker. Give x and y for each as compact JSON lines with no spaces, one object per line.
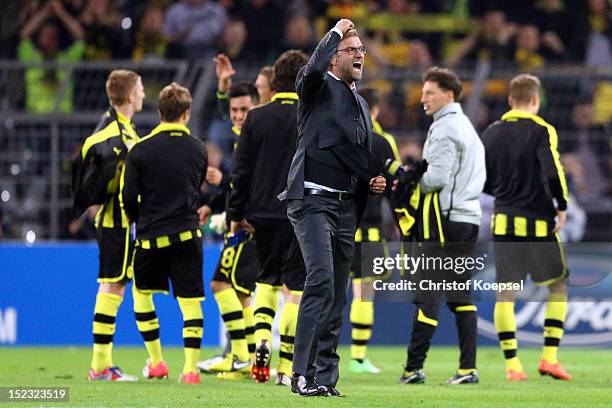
{"x":327,"y":120}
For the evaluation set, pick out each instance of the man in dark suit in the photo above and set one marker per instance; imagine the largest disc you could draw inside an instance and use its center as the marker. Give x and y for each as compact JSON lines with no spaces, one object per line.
{"x":330,"y":177}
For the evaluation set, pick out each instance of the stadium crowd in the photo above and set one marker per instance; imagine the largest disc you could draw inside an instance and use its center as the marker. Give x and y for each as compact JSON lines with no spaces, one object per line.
{"x":528,"y":34}
{"x":403,"y":38}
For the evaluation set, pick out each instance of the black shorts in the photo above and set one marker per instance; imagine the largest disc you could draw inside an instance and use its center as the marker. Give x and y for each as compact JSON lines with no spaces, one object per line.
{"x":179,"y":263}
{"x":238,"y":266}
{"x":375,"y":246}
{"x":115,"y":256}
{"x":460,"y":244}
{"x":279,"y":254}
{"x":542,"y":258}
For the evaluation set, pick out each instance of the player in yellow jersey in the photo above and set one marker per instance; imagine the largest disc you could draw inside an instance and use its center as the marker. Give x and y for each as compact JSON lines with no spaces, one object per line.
{"x":95,"y":181}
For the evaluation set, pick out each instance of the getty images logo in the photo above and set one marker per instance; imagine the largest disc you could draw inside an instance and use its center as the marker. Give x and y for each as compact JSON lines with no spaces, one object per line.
{"x":8,"y":325}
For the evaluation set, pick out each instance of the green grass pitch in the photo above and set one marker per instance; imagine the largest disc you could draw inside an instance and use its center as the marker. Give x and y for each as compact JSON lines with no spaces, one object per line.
{"x":591,"y":387}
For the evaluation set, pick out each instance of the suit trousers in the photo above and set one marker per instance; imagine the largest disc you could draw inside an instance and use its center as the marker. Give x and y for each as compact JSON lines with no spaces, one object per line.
{"x":325,"y":229}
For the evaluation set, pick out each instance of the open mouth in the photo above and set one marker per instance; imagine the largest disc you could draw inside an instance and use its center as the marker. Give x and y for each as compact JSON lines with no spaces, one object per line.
{"x":357,"y":65}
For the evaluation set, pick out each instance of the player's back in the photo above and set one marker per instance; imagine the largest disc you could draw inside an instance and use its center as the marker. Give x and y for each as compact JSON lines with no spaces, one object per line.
{"x":171,"y":166}
{"x":272,"y":140}
{"x":96,"y":169}
{"x":516,"y":172}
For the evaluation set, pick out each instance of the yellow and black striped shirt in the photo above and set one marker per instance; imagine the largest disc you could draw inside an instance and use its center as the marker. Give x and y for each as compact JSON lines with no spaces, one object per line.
{"x":524,"y":174}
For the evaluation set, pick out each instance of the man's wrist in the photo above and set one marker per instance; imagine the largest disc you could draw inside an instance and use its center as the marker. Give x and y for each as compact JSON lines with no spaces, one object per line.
{"x":337,"y":30}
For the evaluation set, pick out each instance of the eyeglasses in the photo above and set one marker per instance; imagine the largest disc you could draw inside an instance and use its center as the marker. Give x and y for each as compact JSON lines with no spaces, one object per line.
{"x":353,"y":50}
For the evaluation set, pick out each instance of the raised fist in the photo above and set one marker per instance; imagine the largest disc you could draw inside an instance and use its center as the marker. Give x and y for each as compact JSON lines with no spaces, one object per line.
{"x":344,"y":25}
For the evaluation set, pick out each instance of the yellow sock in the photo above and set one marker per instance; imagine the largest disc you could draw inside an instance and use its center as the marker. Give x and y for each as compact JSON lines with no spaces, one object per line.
{"x":147,"y":323}
{"x":362,"y":318}
{"x":249,"y":328}
{"x":505,"y":325}
{"x":232,"y":315}
{"x":105,"y":313}
{"x":192,"y":355}
{"x":266,"y":305}
{"x":193,"y":329}
{"x":102,"y":356}
{"x":556,"y":310}
{"x":287,"y":327}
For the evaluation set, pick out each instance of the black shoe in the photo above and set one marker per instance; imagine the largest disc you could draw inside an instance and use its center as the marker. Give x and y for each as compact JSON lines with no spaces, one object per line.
{"x":262,"y":355}
{"x":471,"y":378}
{"x":260,"y":370}
{"x":414,"y":377}
{"x":333,"y":392}
{"x":306,"y":387}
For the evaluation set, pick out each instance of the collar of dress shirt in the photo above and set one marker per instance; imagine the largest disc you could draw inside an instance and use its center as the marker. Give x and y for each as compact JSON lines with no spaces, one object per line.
{"x":352,"y":86}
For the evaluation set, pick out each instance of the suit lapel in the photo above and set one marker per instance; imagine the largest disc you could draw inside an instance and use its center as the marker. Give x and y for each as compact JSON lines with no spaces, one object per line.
{"x":365,"y":113}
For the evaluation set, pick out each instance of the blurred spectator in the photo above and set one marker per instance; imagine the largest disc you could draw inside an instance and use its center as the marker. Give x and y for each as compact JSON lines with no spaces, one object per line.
{"x":105,"y":39}
{"x":263,"y":20}
{"x":263,"y":83}
{"x":589,"y":146}
{"x":532,"y":51}
{"x":192,"y":26}
{"x":527,"y":55}
{"x":591,"y":33}
{"x":43,"y":84}
{"x":490,"y":42}
{"x":13,"y":17}
{"x":419,"y":57}
{"x":234,"y":39}
{"x":398,"y":52}
{"x":151,"y":44}
{"x":299,"y":35}
{"x":386,"y":50}
{"x":551,"y":18}
{"x":404,"y":44}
